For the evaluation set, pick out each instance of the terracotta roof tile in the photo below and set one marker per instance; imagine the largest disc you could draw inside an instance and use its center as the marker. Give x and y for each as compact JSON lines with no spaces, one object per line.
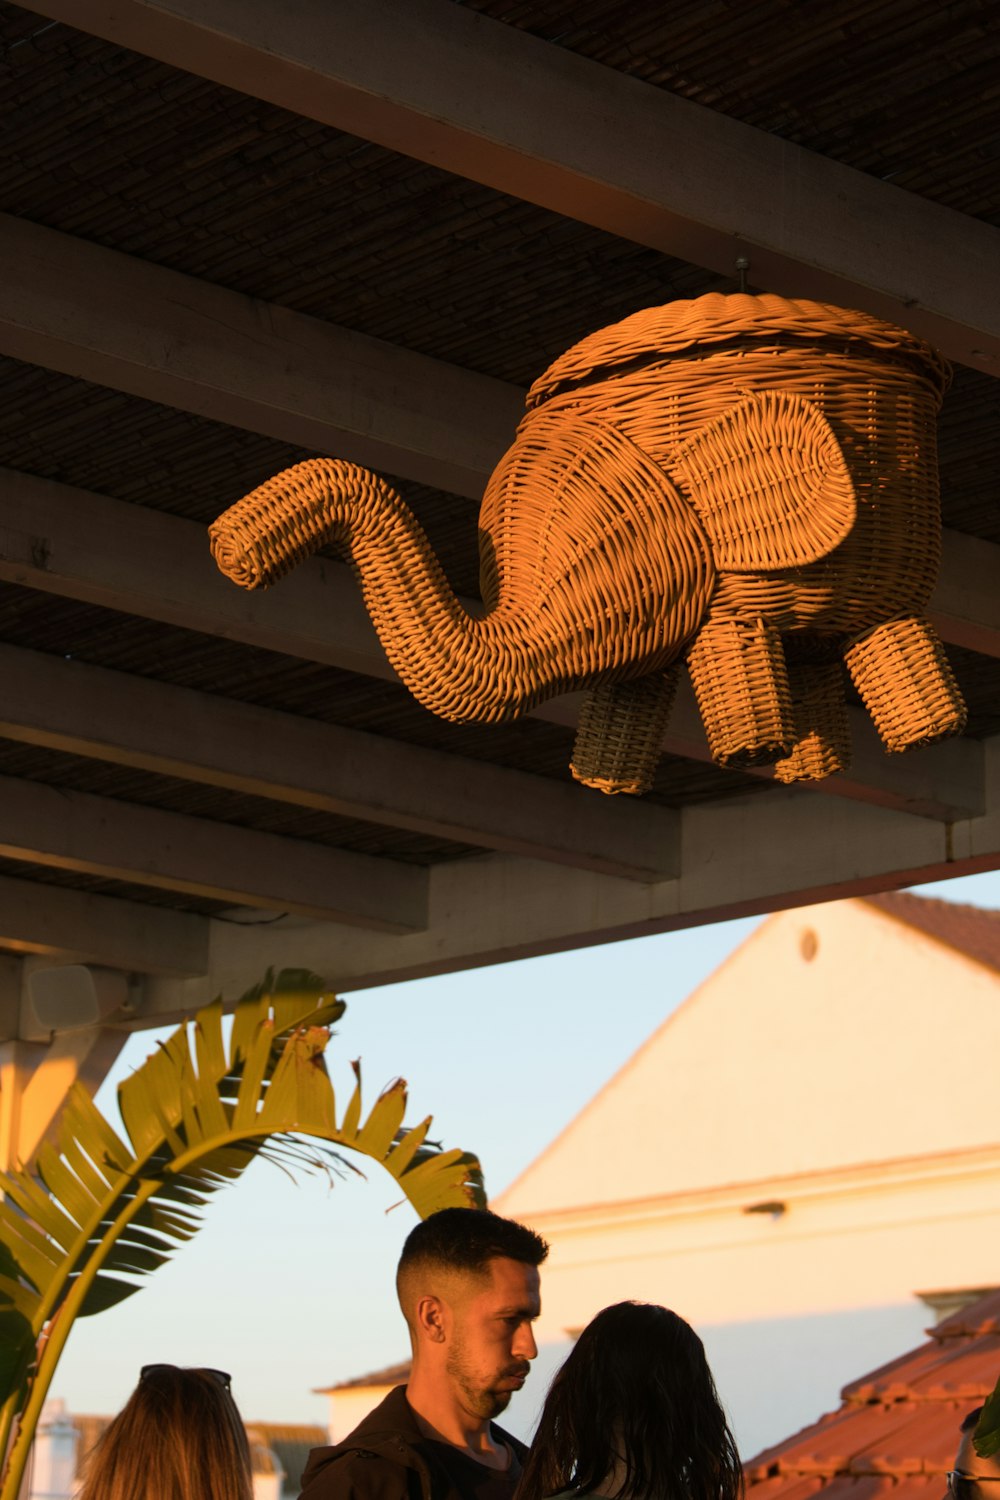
{"x":291,"y":1443}
{"x":943,"y":1370}
{"x":923,"y":1443}
{"x":898,"y":1426}
{"x":879,"y":1487}
{"x":783,"y":1488}
{"x":863,"y":1487}
{"x":968,"y":929}
{"x":913,"y":1487}
{"x":799,"y":1454}
{"x":391,"y":1375}
{"x":982,"y":1316}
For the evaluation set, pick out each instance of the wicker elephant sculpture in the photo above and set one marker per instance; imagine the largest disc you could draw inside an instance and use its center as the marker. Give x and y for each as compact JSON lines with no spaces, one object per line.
{"x":747,"y":484}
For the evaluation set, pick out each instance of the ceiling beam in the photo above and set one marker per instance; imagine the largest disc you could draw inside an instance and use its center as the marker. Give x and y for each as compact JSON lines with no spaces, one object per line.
{"x":432,"y":80}
{"x":85,"y":546}
{"x":741,"y":858}
{"x":71,"y":830}
{"x":120,"y":556}
{"x":106,"y":317}
{"x":99,"y":315}
{"x":111,"y":716}
{"x":965,"y":607}
{"x":40,"y":918}
{"x":70,"y":541}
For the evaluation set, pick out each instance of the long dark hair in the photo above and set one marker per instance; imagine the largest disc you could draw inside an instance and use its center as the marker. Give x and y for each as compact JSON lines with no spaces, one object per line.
{"x":179,"y":1435}
{"x":635,"y":1396}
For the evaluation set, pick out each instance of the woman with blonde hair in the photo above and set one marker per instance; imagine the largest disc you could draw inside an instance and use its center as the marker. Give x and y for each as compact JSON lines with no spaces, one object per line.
{"x":633,"y":1415}
{"x":179,"y":1437}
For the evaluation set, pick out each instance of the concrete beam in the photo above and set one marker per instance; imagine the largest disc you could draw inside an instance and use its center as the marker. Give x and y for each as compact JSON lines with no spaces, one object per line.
{"x":143,"y":845}
{"x":111,"y":716}
{"x":965,"y":607}
{"x":79,"y":545}
{"x":38,"y":918}
{"x":741,"y":858}
{"x":107,"y":317}
{"x":85,"y":546}
{"x":432,"y":80}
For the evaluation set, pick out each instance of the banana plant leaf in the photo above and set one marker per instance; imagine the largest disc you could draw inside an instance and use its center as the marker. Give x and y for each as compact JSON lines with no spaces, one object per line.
{"x":95,"y":1213}
{"x":986,"y":1438}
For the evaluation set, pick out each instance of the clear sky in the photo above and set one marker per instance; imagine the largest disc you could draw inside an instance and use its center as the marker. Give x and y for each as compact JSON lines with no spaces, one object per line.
{"x":289,"y":1285}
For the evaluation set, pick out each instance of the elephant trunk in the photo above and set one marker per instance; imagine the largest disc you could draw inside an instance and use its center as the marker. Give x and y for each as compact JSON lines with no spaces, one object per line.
{"x":456,"y":665}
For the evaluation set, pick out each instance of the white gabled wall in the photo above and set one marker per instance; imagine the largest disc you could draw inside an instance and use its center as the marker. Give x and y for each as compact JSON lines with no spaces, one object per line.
{"x":349,"y":1405}
{"x":828,"y":1069}
{"x":782,"y":1064}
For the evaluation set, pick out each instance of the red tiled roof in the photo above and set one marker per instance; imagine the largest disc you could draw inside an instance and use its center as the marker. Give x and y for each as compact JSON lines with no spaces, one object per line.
{"x":290,"y":1442}
{"x":391,"y":1375}
{"x":897,"y":1430}
{"x":968,"y":929}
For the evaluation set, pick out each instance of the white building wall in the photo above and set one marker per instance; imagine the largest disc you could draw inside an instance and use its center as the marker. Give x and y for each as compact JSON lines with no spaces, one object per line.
{"x":350,"y":1405}
{"x":821,"y":1069}
{"x":53,"y":1454}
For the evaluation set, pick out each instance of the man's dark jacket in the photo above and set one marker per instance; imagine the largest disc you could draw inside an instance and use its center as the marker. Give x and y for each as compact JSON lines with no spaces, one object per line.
{"x":386,"y":1457}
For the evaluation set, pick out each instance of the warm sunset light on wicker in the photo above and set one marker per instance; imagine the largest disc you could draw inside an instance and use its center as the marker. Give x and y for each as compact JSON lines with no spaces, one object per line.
{"x":747,"y":483}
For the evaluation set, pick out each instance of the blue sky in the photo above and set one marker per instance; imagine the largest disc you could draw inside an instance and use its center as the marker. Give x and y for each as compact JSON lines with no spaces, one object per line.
{"x":289,"y":1286}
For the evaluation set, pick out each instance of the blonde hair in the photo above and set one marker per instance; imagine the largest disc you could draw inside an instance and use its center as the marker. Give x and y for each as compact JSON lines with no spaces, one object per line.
{"x":179,"y":1437}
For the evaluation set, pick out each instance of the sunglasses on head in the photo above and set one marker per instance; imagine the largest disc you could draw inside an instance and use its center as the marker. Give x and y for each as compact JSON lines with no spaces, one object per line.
{"x":963,"y":1486}
{"x":224,"y":1379}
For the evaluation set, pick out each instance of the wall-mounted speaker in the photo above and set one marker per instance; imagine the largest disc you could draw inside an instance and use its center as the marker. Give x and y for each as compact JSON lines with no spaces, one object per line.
{"x":68,"y":996}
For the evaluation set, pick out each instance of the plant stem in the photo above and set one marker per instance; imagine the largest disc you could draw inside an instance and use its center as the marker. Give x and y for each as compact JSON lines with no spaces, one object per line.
{"x":58,"y":1332}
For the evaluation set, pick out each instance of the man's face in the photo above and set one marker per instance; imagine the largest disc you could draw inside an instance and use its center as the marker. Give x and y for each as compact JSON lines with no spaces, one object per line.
{"x":489,"y":1336}
{"x":986,"y":1471}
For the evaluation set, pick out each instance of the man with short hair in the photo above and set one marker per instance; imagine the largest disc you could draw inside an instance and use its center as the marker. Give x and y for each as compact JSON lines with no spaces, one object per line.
{"x":468,"y":1286}
{"x":973,"y":1478}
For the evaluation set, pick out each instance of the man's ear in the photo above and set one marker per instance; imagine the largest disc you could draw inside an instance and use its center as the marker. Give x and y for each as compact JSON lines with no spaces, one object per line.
{"x":431,"y":1318}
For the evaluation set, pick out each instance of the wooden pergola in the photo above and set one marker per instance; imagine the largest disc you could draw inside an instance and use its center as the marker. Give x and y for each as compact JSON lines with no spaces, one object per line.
{"x":240,"y":232}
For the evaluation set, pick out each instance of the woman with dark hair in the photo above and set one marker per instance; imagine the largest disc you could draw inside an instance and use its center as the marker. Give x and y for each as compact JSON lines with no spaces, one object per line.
{"x":633,"y":1415}
{"x":178,"y":1437}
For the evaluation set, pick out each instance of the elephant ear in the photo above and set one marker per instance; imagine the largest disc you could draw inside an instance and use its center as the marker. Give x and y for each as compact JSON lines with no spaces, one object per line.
{"x":769,"y":482}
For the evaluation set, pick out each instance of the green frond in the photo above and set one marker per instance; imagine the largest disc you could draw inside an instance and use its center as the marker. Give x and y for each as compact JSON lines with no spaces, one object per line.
{"x":105,"y":1292}
{"x":97,"y":1213}
{"x":382,"y":1126}
{"x":300,"y":1087}
{"x":17,"y":1347}
{"x":986,"y":1438}
{"x":352,"y":1114}
{"x":409,"y":1148}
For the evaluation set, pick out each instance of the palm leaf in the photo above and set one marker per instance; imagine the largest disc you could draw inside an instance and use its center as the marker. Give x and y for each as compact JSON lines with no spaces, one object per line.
{"x":986,"y":1438}
{"x":96,"y":1213}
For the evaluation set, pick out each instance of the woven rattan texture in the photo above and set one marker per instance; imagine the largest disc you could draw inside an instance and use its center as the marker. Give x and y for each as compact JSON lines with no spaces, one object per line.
{"x":741,"y":682}
{"x":905,"y":682}
{"x":620,"y":734}
{"x":213,"y":665}
{"x":569,"y":516}
{"x":822,"y":741}
{"x":790,"y":446}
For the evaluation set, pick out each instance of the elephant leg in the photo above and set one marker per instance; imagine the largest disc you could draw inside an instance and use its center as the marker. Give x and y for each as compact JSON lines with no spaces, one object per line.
{"x":901,"y":671}
{"x":741,"y":682}
{"x":619,"y":739}
{"x":823,"y":742}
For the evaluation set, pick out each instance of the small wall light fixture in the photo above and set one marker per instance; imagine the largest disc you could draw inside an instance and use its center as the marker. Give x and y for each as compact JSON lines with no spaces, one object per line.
{"x":771,"y":1207}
